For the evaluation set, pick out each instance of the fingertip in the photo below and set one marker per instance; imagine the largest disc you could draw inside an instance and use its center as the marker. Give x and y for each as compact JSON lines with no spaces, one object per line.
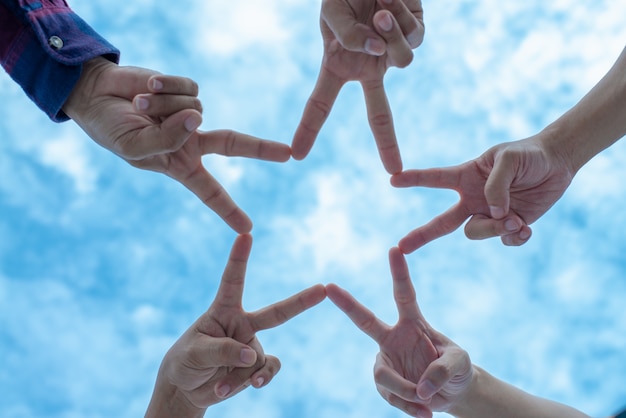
{"x":240,"y":222}
{"x":247,"y":356}
{"x":375,"y":46}
{"x":400,"y":179}
{"x":525,"y":233}
{"x":155,"y":84}
{"x":284,"y":155}
{"x":299,"y":153}
{"x":405,"y":246}
{"x":193,"y":122}
{"x":426,"y":390}
{"x":222,"y":391}
{"x":245,"y":238}
{"x":332,"y":287}
{"x":141,"y":103}
{"x":512,"y":225}
{"x":497,"y":212}
{"x":395,"y":252}
{"x":258,"y":382}
{"x":383,"y":20}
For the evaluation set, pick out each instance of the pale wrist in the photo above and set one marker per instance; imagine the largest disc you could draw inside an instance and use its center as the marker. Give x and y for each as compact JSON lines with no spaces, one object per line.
{"x":563,"y":143}
{"x":168,"y":402}
{"x":464,"y":405}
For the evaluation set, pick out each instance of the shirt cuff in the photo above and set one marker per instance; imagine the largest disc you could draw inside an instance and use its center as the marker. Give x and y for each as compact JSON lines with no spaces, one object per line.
{"x":48,"y":56}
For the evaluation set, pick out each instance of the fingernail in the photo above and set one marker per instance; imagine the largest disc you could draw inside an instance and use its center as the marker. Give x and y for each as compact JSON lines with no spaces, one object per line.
{"x":260,"y":381}
{"x":511,"y":225}
{"x":141,"y":103}
{"x":415,"y":38}
{"x":374,"y":47}
{"x":247,"y":356}
{"x":192,"y":123}
{"x":496,"y":212}
{"x":223,"y":391}
{"x":426,"y":390}
{"x":386,"y":23}
{"x":156,"y":84}
{"x":524,"y":234}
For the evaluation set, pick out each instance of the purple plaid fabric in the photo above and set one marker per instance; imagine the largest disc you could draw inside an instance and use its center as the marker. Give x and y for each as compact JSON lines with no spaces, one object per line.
{"x":43,"y":45}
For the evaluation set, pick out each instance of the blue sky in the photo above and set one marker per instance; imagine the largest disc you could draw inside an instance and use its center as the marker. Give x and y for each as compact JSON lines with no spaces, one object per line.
{"x":103,"y":266}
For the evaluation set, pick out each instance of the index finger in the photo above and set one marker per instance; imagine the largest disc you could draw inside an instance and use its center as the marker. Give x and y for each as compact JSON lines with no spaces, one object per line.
{"x":362,"y":317}
{"x":212,"y":194}
{"x":403,"y":290}
{"x":315,"y":112}
{"x":230,"y":292}
{"x":439,"y":226}
{"x":438,"y":178}
{"x":235,"y":144}
{"x":284,"y":310}
{"x":381,"y":123}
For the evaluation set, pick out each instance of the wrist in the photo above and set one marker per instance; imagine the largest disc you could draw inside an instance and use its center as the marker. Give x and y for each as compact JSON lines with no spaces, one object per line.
{"x":563,"y":142}
{"x":464,"y":405}
{"x":84,"y":89}
{"x":169,"y":402}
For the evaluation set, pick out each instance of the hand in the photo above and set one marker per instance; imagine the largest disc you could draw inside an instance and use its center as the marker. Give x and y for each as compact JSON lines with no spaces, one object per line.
{"x":150,"y":120}
{"x":418,"y":369}
{"x":503,"y":191}
{"x":219,"y":355}
{"x":362,"y":39}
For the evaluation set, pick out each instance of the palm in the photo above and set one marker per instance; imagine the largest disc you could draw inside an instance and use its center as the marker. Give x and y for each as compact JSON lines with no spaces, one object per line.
{"x":411,"y":358}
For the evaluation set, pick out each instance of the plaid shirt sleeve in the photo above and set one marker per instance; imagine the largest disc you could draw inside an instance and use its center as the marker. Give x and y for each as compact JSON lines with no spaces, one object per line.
{"x":43,"y":45}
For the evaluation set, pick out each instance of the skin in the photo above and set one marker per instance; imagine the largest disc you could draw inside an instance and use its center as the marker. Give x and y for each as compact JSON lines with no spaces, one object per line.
{"x":513,"y":184}
{"x":362,"y":39}
{"x":220,"y":355}
{"x":151,"y":121}
{"x":420,"y":371}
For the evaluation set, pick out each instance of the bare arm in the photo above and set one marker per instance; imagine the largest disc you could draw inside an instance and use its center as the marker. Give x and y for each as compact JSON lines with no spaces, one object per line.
{"x":594,"y":123}
{"x":488,"y":396}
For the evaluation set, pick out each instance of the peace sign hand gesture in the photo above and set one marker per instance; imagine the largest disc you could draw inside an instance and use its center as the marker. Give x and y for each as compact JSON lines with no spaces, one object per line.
{"x":219,"y":355}
{"x":362,"y":39}
{"x":502,"y":192}
{"x":151,"y":121}
{"x":418,"y":369}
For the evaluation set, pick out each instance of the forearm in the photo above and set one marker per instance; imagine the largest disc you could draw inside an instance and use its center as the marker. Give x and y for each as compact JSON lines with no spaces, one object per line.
{"x":168,"y":402}
{"x":491,"y":397}
{"x":594,"y":123}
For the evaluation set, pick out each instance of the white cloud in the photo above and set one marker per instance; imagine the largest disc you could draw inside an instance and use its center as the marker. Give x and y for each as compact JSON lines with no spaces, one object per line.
{"x":229,"y":29}
{"x":67,"y":154}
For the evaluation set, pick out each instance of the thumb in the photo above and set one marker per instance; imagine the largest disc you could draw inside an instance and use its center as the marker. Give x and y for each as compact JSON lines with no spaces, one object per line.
{"x":452,"y":371}
{"x":155,"y":139}
{"x":224,"y":352}
{"x":498,"y":186}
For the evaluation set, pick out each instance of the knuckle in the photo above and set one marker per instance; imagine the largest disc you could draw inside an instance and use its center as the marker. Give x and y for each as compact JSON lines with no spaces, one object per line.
{"x":380,"y":120}
{"x":229,"y":143}
{"x":404,"y":60}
